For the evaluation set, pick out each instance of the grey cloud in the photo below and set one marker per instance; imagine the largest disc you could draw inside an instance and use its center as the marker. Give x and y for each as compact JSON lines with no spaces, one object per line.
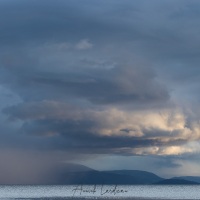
{"x":84,"y":44}
{"x":33,"y":21}
{"x":77,"y":136}
{"x":87,"y":55}
{"x":61,"y":126}
{"x":120,"y":84}
{"x":159,"y":35}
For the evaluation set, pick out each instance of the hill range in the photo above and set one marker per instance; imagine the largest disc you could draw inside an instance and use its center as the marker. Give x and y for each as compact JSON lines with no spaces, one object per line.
{"x":71,"y":174}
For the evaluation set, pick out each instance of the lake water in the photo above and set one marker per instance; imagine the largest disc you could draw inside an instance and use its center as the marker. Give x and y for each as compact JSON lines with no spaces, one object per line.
{"x":100,"y":192}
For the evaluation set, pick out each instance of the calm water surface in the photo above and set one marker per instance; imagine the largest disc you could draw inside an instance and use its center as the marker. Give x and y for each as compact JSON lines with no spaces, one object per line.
{"x":100,"y":192}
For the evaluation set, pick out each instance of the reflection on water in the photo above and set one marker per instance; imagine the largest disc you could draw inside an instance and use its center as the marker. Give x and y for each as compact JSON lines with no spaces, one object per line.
{"x":100,"y":192}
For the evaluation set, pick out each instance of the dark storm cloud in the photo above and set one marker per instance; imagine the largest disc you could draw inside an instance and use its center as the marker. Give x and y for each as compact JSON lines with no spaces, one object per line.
{"x":94,"y":55}
{"x":163,"y":31}
{"x":64,"y":127}
{"x":77,"y":136}
{"x":144,"y":28}
{"x":32,"y":21}
{"x":118,"y":84}
{"x":126,"y":22}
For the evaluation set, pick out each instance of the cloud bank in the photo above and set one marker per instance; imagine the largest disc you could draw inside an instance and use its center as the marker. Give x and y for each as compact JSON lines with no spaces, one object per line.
{"x":100,"y":78}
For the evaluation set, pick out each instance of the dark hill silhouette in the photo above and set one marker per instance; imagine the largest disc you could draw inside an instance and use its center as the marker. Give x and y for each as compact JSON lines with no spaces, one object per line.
{"x":74,"y":174}
{"x":96,"y":177}
{"x":68,"y":174}
{"x":189,"y":178}
{"x":78,"y":174}
{"x":143,"y":177}
{"x":174,"y":181}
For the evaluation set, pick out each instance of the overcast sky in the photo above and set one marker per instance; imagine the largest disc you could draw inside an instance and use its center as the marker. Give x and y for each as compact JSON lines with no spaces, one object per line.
{"x":109,"y":84}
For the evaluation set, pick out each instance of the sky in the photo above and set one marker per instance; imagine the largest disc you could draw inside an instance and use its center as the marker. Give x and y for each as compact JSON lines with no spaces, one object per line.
{"x":108,"y":84}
